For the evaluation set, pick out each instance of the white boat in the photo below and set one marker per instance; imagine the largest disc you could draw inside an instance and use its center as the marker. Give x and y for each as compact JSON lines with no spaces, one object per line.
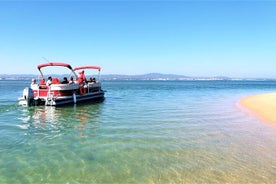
{"x":58,"y":93}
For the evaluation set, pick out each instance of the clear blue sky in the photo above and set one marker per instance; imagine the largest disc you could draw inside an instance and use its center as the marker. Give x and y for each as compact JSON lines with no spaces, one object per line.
{"x":228,"y":38}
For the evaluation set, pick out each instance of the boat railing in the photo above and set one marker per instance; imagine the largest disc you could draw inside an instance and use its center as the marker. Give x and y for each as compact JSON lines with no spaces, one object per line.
{"x":93,"y":86}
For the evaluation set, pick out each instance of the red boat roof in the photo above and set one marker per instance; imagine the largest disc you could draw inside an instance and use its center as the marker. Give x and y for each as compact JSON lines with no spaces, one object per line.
{"x":87,"y":67}
{"x":54,"y":64}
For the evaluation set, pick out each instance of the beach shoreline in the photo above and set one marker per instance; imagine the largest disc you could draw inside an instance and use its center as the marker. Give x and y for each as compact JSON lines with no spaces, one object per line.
{"x":263,"y":106}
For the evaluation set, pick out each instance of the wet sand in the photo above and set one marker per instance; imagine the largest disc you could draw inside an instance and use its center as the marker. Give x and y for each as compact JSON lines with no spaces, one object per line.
{"x":263,"y":106}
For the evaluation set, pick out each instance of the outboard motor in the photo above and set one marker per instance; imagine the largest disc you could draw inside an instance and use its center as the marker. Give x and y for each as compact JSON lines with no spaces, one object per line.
{"x":28,"y":96}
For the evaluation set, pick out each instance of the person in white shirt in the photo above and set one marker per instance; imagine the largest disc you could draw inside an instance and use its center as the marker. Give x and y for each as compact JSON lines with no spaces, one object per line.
{"x":49,"y":81}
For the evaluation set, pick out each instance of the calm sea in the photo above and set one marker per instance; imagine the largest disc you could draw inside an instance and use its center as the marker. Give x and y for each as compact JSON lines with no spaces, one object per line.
{"x":143,"y":132}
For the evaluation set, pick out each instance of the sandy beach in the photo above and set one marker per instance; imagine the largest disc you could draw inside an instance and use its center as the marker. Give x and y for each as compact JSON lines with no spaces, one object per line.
{"x":263,"y":106}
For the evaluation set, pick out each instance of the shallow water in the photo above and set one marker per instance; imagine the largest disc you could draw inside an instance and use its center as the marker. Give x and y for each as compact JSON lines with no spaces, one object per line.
{"x":143,"y":132}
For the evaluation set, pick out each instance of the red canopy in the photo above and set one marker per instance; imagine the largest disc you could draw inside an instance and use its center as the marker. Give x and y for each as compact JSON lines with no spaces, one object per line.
{"x":54,"y":64}
{"x":87,"y":67}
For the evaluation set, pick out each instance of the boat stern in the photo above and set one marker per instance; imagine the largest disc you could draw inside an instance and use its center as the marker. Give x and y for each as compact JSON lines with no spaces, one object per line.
{"x":27,"y":97}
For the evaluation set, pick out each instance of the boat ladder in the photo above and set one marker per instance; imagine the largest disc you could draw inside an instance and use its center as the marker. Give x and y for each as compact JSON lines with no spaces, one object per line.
{"x":50,"y":100}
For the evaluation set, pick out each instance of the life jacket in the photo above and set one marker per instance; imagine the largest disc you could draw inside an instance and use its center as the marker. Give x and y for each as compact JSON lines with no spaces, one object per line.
{"x":55,"y":81}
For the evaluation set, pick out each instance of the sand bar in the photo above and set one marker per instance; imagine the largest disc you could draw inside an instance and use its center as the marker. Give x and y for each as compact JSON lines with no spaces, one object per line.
{"x":264,"y":106}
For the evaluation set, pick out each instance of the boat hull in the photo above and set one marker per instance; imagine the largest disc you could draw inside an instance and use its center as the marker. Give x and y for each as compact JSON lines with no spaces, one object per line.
{"x":89,"y":97}
{"x":59,"y":95}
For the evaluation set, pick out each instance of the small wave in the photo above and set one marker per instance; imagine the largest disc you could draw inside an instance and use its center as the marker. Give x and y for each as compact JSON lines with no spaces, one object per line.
{"x":7,"y":106}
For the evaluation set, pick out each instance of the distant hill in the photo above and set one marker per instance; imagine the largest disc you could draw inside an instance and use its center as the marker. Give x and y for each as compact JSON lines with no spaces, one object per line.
{"x":17,"y":76}
{"x":149,"y":76}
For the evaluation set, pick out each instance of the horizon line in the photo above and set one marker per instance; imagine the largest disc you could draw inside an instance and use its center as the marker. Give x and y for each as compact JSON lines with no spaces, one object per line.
{"x":174,"y":76}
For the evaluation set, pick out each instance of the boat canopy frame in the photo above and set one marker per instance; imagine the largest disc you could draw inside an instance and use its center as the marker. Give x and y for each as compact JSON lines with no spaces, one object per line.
{"x":39,"y":67}
{"x":89,"y":67}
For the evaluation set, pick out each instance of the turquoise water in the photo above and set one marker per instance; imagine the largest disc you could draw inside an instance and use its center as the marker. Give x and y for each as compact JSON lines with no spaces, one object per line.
{"x":143,"y":132}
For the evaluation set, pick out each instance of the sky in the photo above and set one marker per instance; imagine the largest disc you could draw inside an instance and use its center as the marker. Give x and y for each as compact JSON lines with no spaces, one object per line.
{"x":192,"y":38}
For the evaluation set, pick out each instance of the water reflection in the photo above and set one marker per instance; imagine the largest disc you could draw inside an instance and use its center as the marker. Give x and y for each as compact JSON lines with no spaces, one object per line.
{"x":58,"y":121}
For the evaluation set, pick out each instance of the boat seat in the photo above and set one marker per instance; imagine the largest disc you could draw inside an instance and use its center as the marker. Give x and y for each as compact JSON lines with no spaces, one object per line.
{"x":43,"y":87}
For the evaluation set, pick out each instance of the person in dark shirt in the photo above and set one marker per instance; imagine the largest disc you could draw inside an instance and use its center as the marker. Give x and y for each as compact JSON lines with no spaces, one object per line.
{"x":65,"y":81}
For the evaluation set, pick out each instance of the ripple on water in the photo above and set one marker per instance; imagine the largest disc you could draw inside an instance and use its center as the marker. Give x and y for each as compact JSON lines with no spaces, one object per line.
{"x":143,"y":132}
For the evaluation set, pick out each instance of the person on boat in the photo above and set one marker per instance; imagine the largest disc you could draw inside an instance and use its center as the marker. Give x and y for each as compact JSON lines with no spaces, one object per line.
{"x":33,"y":82}
{"x":71,"y":80}
{"x":55,"y":81}
{"x":81,"y":77}
{"x":42,"y":82}
{"x":49,"y":81}
{"x":65,"y":81}
{"x":91,"y":80}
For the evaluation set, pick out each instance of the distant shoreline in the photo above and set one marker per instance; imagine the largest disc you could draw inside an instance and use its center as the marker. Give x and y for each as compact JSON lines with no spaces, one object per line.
{"x":150,"y":76}
{"x":125,"y":79}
